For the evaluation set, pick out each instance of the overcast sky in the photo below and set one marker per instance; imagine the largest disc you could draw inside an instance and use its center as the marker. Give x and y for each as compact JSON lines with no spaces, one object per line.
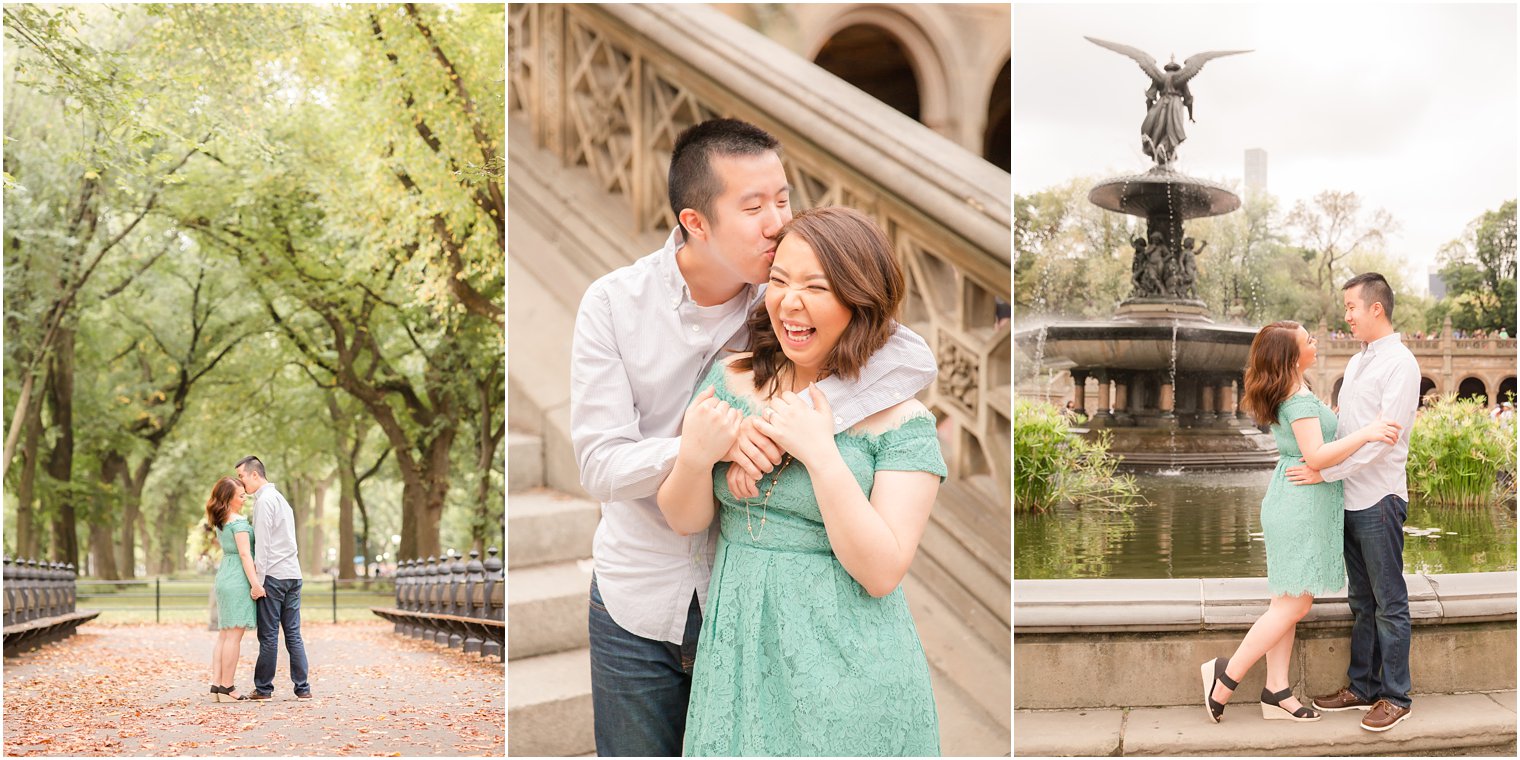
{"x":1411,"y":106}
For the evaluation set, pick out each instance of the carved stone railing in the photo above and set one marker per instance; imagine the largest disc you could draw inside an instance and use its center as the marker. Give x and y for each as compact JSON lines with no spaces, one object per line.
{"x":609,"y":87}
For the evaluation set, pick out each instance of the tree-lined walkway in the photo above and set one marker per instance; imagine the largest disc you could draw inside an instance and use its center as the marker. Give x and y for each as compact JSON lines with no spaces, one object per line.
{"x":143,"y":690}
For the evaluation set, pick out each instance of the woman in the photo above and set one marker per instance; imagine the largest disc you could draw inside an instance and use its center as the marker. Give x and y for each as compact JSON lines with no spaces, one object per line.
{"x":1302,"y":524}
{"x":236,"y":583}
{"x":807,"y":646}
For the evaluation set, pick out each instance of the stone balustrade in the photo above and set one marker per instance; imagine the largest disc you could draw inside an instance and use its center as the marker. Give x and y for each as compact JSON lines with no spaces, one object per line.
{"x":40,"y":604}
{"x":452,"y":602}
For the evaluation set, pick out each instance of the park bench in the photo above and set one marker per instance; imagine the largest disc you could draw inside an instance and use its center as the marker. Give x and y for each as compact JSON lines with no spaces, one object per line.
{"x":39,"y":604}
{"x":452,"y":602}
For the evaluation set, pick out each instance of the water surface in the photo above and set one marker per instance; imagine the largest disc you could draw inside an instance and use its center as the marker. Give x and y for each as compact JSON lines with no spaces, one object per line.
{"x":1207,"y":525}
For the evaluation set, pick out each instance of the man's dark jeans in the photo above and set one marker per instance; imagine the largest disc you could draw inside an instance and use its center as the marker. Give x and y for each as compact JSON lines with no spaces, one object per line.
{"x":639,"y":687}
{"x":1379,"y":599}
{"x":280,"y":609}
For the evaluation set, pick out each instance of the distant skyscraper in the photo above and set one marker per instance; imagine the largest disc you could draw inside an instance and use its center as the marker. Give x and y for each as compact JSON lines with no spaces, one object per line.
{"x":1256,"y":170}
{"x":1437,"y":287}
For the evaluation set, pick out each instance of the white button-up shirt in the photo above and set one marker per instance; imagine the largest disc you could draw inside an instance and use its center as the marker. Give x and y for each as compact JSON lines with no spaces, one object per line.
{"x":274,"y":536}
{"x":1383,"y":378}
{"x":641,"y":346}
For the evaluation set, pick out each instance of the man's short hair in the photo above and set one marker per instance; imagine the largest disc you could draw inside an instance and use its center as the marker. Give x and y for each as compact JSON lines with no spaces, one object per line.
{"x":1374,"y":289}
{"x":252,"y":464}
{"x":692,"y":182}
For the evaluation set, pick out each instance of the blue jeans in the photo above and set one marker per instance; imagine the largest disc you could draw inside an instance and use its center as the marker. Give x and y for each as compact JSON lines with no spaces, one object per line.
{"x":1379,"y":598}
{"x":639,"y":687}
{"x":280,"y":609}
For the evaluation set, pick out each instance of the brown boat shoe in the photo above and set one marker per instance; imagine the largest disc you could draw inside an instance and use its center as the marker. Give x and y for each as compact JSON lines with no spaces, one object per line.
{"x":1384,"y":715}
{"x":1344,"y":699}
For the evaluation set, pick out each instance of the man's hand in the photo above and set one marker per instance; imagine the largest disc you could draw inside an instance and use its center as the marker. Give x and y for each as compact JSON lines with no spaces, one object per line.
{"x":709,"y":429}
{"x":753,"y":454}
{"x":257,"y":592}
{"x":1303,"y":475}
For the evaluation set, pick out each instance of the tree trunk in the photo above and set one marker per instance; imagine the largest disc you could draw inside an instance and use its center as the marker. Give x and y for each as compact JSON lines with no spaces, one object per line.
{"x":131,"y":522}
{"x":103,"y":550}
{"x":318,"y":501}
{"x":61,"y":461}
{"x":27,"y":540}
{"x":488,"y":442}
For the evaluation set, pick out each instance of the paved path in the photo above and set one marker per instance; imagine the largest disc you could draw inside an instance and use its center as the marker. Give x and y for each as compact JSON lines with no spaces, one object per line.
{"x":1447,"y":724}
{"x":143,"y":690}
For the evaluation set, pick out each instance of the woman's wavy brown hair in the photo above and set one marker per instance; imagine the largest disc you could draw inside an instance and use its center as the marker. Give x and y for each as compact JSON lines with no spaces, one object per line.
{"x":863,"y":274}
{"x":1272,"y":371}
{"x":220,"y":502}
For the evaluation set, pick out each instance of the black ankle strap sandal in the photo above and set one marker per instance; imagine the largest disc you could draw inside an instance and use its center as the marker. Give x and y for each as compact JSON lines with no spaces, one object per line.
{"x":1217,"y":665}
{"x":1272,"y":709}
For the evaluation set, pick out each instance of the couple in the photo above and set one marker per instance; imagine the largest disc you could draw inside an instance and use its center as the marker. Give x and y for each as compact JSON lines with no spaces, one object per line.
{"x":742,"y":404}
{"x":1337,"y":516}
{"x":259,"y":564}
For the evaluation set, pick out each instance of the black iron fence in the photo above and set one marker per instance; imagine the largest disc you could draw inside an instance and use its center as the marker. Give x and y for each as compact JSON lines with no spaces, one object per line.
{"x":160,"y":600}
{"x":40,"y":603}
{"x":453,"y":602}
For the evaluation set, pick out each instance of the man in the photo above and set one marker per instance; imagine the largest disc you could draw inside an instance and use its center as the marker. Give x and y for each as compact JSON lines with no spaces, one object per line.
{"x":1383,"y":380}
{"x":645,"y":335}
{"x":278,"y":591}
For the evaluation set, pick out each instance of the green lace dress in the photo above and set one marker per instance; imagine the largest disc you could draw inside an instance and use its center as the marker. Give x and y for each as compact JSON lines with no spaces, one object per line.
{"x":234,"y":607}
{"x":795,"y":658}
{"x":1302,"y":525}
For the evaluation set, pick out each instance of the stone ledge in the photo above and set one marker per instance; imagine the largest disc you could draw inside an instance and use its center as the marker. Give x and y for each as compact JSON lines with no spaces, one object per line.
{"x":1440,"y":722}
{"x":1121,"y":605}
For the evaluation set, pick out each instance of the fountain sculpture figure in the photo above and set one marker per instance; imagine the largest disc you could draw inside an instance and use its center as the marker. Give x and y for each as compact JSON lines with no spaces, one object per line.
{"x":1168,"y":377}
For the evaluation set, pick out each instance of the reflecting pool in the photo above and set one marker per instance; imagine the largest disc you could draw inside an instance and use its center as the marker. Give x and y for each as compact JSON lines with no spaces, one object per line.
{"x":1207,"y":525}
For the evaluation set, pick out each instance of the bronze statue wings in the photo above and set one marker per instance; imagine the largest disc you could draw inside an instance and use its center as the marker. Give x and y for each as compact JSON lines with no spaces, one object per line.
{"x":1190,"y":67}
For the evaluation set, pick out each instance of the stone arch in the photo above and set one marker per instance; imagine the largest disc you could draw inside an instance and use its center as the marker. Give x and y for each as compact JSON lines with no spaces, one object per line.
{"x":1506,"y":390}
{"x":997,"y":134}
{"x":1427,"y":386}
{"x":1472,"y":387}
{"x":935,"y":89}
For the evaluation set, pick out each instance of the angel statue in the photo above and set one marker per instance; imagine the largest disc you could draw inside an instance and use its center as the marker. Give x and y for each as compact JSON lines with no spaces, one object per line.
{"x":1162,"y":131}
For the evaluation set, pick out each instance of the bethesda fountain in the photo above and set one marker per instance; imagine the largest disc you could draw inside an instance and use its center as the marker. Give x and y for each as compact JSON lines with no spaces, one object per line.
{"x":1168,"y":377}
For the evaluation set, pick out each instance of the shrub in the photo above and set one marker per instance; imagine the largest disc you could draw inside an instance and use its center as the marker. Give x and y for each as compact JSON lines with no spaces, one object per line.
{"x":1051,"y":466}
{"x":1458,"y":455}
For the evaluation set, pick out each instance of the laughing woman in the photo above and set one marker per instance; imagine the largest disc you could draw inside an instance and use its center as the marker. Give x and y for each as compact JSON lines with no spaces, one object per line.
{"x":807,"y":646}
{"x":1301,"y":524}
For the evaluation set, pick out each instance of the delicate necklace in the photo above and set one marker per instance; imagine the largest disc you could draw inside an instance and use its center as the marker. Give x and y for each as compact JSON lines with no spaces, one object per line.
{"x":766,"y":506}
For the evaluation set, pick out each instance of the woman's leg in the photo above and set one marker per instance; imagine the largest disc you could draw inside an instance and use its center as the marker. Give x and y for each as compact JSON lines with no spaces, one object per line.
{"x":216,"y":660}
{"x":1278,"y":658}
{"x":232,"y":639}
{"x":1269,"y":629}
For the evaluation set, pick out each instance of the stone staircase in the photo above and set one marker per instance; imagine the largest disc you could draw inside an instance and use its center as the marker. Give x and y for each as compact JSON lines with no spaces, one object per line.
{"x":555,"y":252}
{"x":548,"y":576}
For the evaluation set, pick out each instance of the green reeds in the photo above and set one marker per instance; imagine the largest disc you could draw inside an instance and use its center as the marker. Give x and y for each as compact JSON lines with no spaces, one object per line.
{"x":1052,"y":466}
{"x":1457,"y":453}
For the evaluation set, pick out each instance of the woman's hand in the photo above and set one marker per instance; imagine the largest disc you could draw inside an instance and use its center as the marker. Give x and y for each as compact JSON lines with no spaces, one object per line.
{"x":708,"y":430}
{"x":804,"y":433}
{"x":1381,"y":430}
{"x":257,"y":592}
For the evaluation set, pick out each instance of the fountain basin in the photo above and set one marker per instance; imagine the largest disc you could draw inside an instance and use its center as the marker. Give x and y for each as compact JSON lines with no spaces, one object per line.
{"x":1164,"y":191}
{"x":1134,"y":345}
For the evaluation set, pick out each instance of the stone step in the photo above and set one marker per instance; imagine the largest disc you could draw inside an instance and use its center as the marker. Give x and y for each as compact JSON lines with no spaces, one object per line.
{"x":548,"y":526}
{"x":962,"y":660}
{"x":1442,"y":724}
{"x":525,"y":461}
{"x":539,"y":331}
{"x":546,"y":608}
{"x":549,"y":705}
{"x":964,"y":729}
